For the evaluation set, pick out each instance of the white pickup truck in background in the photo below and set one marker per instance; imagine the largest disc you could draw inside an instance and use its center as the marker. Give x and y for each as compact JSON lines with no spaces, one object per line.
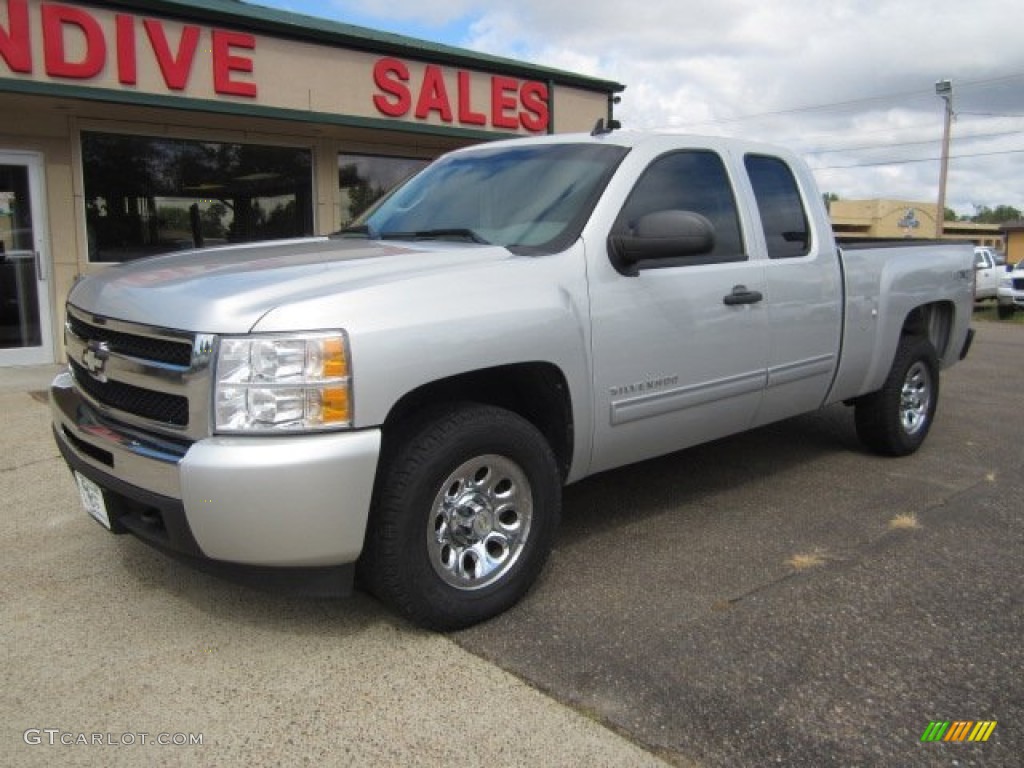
{"x":1010,"y":293}
{"x":407,"y":398}
{"x":988,"y":273}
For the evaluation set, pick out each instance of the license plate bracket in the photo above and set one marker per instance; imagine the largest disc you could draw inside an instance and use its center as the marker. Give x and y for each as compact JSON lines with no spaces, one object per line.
{"x":92,"y":500}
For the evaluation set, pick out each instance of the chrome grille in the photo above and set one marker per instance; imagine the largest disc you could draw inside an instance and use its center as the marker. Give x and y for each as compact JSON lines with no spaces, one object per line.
{"x":158,"y":406}
{"x":143,"y":347}
{"x":156,"y":379}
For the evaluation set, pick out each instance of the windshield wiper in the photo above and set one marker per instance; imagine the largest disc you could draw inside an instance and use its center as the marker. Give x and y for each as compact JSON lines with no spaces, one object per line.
{"x":451,"y":233}
{"x":362,"y":229}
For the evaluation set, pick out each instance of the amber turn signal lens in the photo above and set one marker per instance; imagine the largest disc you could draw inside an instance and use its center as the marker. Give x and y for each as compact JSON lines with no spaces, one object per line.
{"x":335,"y":406}
{"x":335,"y":360}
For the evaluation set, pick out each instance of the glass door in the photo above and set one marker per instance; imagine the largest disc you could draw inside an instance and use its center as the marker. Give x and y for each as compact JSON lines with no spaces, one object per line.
{"x":25,"y":337}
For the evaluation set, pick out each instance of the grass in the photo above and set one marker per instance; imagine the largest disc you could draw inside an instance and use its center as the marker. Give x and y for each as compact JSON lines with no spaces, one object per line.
{"x":904,"y":522}
{"x":807,"y":560}
{"x":987,"y":311}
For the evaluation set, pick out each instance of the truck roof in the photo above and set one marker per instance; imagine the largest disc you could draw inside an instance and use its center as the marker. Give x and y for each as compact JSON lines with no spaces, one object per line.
{"x":667,"y":139}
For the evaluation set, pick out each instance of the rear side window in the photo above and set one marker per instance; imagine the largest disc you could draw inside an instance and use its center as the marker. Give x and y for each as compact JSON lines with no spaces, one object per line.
{"x":692,"y":180}
{"x":782,"y":211}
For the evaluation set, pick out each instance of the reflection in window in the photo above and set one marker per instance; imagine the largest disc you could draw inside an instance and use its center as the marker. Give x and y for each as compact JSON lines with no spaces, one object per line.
{"x":364,"y":179}
{"x":19,"y":282}
{"x":691,"y":180}
{"x":145,"y":195}
{"x":786,"y":231}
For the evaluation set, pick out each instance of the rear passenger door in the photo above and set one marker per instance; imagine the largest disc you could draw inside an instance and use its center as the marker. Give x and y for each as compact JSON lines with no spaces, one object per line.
{"x":804,"y":293}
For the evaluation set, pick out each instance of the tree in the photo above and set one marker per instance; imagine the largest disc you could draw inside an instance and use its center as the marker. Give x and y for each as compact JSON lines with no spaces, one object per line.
{"x":997,"y":215}
{"x":213,"y":220}
{"x":949,"y":215}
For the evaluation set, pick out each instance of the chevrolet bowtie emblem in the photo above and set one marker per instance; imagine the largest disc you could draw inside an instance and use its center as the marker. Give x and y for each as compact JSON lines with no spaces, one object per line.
{"x":94,"y":359}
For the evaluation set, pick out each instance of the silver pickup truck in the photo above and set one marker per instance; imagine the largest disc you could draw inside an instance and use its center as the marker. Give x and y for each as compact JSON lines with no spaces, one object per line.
{"x":404,"y":400}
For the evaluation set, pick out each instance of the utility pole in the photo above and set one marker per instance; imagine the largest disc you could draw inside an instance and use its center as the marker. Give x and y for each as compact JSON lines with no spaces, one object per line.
{"x":944,"y":90}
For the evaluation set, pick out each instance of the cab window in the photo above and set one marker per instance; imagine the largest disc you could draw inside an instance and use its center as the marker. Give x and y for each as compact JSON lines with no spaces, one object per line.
{"x":782,"y":211}
{"x":692,"y":180}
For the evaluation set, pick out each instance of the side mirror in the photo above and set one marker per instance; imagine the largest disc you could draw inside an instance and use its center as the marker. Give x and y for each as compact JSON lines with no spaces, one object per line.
{"x":662,"y":235}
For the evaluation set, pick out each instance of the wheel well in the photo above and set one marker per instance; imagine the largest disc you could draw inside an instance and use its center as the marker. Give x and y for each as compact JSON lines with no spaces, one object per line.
{"x":933,"y":322}
{"x":538,"y":392}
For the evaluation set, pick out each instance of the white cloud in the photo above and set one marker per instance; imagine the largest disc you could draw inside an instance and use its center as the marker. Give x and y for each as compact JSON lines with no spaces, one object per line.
{"x":758,"y":69}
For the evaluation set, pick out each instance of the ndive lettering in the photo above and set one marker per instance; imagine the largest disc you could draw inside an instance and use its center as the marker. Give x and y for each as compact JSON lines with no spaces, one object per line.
{"x":77,"y":46}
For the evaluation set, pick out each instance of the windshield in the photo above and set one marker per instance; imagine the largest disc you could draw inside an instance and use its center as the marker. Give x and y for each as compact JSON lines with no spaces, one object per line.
{"x":531,"y":198}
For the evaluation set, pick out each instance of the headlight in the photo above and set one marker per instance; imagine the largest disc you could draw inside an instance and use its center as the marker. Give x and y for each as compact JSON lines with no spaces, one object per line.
{"x":283,"y":383}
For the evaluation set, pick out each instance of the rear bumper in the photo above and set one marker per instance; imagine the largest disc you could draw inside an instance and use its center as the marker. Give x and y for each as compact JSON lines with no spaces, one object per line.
{"x":266,"y":505}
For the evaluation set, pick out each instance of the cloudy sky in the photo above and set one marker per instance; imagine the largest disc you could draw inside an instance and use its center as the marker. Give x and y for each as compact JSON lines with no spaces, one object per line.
{"x":850,"y":84}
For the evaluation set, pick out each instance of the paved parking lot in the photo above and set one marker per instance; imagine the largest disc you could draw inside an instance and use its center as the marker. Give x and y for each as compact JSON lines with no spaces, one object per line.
{"x":761,"y":600}
{"x":106,"y":639}
{"x":778,"y":598}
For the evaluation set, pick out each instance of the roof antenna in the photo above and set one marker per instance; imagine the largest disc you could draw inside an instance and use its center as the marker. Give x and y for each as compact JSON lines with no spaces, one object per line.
{"x":600,"y":128}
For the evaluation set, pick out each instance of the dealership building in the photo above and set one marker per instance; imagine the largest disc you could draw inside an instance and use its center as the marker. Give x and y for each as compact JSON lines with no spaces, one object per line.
{"x":138,"y":127}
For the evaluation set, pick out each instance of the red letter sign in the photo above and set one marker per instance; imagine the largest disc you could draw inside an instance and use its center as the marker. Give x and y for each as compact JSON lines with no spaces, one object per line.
{"x":390,"y":75}
{"x":55,"y":18}
{"x":175,"y":69}
{"x":224,"y":63}
{"x":15,"y":44}
{"x":433,"y":95}
{"x":126,"y":62}
{"x":504,"y":102}
{"x":534,"y":115}
{"x":466,"y":114}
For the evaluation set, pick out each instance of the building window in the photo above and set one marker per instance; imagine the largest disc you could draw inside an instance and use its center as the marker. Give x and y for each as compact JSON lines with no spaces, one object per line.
{"x":364,"y":179}
{"x":147,"y":195}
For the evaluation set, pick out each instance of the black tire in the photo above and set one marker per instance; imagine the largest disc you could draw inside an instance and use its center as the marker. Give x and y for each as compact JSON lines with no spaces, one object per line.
{"x":895,"y":420}
{"x":466,"y":508}
{"x":1005,"y":311}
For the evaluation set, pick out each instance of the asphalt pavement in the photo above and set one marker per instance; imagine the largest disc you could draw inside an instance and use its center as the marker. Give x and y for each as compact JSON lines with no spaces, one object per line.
{"x":115,"y":655}
{"x":784,"y":598}
{"x":776,"y":598}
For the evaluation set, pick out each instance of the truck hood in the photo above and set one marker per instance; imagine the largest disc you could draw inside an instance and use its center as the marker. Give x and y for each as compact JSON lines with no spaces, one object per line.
{"x":227,"y":290}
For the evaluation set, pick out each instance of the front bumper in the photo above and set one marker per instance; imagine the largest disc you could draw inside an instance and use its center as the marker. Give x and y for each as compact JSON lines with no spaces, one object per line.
{"x":1010,"y":297}
{"x":265,"y":502}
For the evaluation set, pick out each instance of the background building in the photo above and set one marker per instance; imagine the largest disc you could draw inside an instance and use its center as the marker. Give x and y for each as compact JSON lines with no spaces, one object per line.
{"x":138,"y":127}
{"x":900,"y":218}
{"x":1013,"y":233}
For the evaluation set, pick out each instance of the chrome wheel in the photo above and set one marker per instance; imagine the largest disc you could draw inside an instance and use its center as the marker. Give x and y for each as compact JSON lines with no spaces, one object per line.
{"x":915,"y":398}
{"x":465,"y":513}
{"x":479,"y":522}
{"x":896,"y":419}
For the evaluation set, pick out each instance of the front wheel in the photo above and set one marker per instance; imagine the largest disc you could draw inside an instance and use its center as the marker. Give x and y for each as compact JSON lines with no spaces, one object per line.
{"x":895,"y":420}
{"x":465,"y":513}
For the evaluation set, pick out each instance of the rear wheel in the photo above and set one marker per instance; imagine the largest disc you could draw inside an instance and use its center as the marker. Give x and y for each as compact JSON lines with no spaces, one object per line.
{"x":465,"y":513}
{"x":896,"y":419}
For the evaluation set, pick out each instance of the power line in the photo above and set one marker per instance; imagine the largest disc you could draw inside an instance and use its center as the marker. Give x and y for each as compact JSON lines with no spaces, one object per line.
{"x":961,"y":85}
{"x":908,"y":143}
{"x":992,"y":114}
{"x":921,"y":160}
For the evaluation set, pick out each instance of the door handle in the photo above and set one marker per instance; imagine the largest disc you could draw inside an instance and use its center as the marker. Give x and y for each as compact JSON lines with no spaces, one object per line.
{"x":740,"y":295}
